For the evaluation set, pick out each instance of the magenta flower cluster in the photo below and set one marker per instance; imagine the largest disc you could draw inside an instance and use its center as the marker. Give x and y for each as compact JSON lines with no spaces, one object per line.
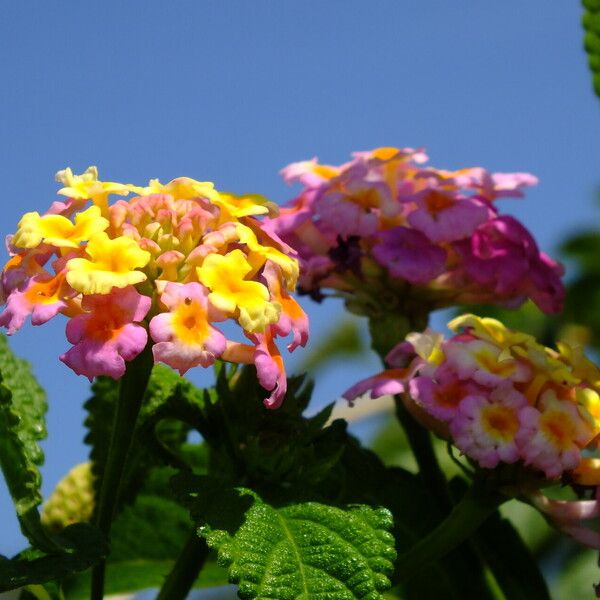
{"x":384,"y":220}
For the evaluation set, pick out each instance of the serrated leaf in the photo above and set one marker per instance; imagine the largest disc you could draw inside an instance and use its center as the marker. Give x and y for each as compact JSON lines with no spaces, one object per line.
{"x":279,"y":448}
{"x":22,"y":426}
{"x":83,"y":547}
{"x":591,"y":41}
{"x":28,"y":399}
{"x":300,"y":551}
{"x":365,"y":479}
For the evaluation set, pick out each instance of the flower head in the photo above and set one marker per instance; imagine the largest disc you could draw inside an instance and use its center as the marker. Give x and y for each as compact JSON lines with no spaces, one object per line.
{"x":500,"y":396}
{"x":384,"y":227}
{"x":164,"y":267}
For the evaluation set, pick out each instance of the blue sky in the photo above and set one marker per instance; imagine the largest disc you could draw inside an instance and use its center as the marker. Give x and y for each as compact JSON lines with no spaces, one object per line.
{"x":232,"y":91}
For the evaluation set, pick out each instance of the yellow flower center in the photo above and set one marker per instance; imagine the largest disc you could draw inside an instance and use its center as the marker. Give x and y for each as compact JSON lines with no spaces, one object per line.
{"x":500,"y":422}
{"x":190,"y":323}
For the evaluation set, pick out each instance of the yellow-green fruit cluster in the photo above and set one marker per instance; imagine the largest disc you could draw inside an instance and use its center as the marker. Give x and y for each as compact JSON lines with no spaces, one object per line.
{"x":72,"y":501}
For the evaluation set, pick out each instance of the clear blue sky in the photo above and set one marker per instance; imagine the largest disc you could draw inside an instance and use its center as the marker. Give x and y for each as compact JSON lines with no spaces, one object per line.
{"x":232,"y":91}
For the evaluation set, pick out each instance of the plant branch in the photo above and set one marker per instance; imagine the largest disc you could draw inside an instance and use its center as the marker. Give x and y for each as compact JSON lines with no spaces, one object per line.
{"x":386,"y":332}
{"x":186,"y":569}
{"x":131,"y":392}
{"x":422,"y":447}
{"x":478,"y":503}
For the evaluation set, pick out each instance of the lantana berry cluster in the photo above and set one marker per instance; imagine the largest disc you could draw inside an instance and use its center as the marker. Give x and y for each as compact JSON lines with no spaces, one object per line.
{"x":167,"y":266}
{"x":499,"y":396}
{"x":384,"y":225}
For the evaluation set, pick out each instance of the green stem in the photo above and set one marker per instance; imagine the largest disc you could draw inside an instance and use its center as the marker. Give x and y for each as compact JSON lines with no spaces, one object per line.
{"x":474,"y":508}
{"x":422,"y":447}
{"x":386,"y":332}
{"x":131,"y":392}
{"x":185,"y":571}
{"x":33,"y":529}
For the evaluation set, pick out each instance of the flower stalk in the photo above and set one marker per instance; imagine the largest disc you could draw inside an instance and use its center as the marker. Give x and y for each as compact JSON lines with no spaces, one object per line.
{"x":478,"y":503}
{"x":131,"y":392}
{"x":186,"y":569}
{"x":385,"y":334}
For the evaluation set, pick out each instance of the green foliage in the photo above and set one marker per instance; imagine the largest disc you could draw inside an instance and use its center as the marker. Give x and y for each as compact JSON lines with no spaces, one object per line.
{"x":153,"y":436}
{"x":577,"y":576}
{"x":22,"y":426}
{"x":28,"y":401}
{"x":300,"y":550}
{"x":342,"y":340}
{"x":591,"y":24}
{"x":82,"y":546}
{"x":146,"y":539}
{"x":510,"y":561}
{"x":459,"y":574}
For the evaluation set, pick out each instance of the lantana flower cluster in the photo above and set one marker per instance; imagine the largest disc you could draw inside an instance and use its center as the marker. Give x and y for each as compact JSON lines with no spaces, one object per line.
{"x":385,"y":222}
{"x":167,"y":266}
{"x":499,"y":396}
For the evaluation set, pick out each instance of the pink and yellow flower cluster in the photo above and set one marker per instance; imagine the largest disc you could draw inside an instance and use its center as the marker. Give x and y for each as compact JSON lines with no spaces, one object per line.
{"x":168,"y":265}
{"x":499,"y":396}
{"x":383,"y":223}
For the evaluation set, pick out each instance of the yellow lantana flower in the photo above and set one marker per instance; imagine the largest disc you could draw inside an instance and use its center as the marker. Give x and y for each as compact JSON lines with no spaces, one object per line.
{"x":57,"y":230}
{"x":492,"y":330}
{"x":87,"y":187}
{"x":182,"y":188}
{"x":224,"y":277}
{"x":244,"y":206}
{"x":112,"y":263}
{"x":289,"y":266}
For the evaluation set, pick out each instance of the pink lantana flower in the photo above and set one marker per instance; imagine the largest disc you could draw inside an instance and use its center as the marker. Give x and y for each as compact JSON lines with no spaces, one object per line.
{"x":386,"y":382}
{"x":486,"y":428}
{"x":185,"y":257}
{"x":42,"y":296}
{"x":570,"y":516}
{"x":500,"y":396}
{"x":409,"y":255}
{"x":107,"y":333}
{"x":269,"y":368}
{"x":445,"y":217}
{"x":292,"y":319}
{"x":503,"y":257}
{"x":442,"y":393}
{"x":183,"y":335}
{"x":417,"y":232}
{"x":484,"y":362}
{"x":553,"y":435}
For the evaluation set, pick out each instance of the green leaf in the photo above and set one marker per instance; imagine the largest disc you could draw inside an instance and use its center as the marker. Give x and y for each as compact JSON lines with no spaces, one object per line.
{"x":591,"y":42}
{"x":296,"y":551}
{"x":272,"y":449}
{"x":146,"y":538}
{"x":28,"y":400}
{"x":83,"y":547}
{"x":22,"y":426}
{"x":153,"y":439}
{"x":43,"y":591}
{"x":577,"y":576}
{"x":510,"y":561}
{"x":342,"y":340}
{"x":138,"y":574}
{"x":363,"y":478}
